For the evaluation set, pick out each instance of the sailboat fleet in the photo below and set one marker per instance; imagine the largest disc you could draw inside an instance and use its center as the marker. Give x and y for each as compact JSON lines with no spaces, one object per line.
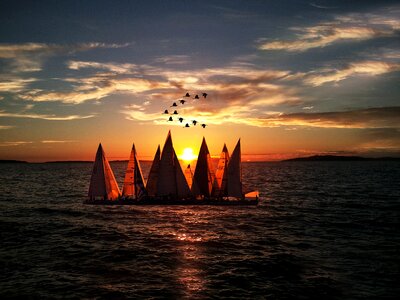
{"x":168,"y":184}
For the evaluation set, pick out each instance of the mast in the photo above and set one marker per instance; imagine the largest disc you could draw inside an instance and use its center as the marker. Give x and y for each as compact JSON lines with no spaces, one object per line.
{"x":204,"y":173}
{"x":102,"y":182}
{"x":234,"y":178}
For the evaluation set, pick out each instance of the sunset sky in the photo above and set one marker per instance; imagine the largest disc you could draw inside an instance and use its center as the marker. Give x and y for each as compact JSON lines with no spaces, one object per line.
{"x":290,"y":78}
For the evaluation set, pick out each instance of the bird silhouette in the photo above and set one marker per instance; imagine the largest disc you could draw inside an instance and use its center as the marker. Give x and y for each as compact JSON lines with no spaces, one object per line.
{"x":187,"y":125}
{"x":175,"y":112}
{"x":174,"y":104}
{"x":194,"y":122}
{"x":182,"y":101}
{"x":203,"y":125}
{"x":166,"y":112}
{"x":196,"y":97}
{"x":180,"y":120}
{"x":170,"y":119}
{"x":187,"y":95}
{"x":205,"y":95}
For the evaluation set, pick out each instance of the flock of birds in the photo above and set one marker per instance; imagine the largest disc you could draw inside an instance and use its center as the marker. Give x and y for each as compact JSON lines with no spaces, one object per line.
{"x":182,"y":102}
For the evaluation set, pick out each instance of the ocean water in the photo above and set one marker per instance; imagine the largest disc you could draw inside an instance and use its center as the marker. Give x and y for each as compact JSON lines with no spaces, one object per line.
{"x":323,"y":230}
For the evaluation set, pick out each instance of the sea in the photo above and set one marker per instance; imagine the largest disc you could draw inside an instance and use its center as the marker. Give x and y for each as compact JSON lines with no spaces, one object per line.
{"x":322,"y":230}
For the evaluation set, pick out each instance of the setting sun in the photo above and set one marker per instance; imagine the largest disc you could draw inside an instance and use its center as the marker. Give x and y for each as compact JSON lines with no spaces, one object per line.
{"x":188,"y":155}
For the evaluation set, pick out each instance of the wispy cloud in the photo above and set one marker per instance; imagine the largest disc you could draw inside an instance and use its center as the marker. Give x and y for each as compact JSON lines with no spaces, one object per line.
{"x":57,"y":141}
{"x":13,"y":144}
{"x":363,"y":68}
{"x":50,"y":117}
{"x":29,"y":57}
{"x":3,"y":127}
{"x":351,"y":27}
{"x":15,"y":85}
{"x":383,"y":117}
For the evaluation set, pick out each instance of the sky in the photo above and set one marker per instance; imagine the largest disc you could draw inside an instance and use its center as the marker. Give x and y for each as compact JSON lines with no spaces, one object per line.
{"x":290,"y":78}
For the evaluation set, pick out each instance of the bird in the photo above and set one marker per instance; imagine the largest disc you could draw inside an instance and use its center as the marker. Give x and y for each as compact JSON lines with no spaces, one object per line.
{"x":174,"y":104}
{"x":166,"y":112}
{"x":170,"y":119}
{"x":175,"y":112}
{"x":180,"y":119}
{"x":203,"y":125}
{"x":187,"y":95}
{"x":205,"y":95}
{"x":182,"y":101}
{"x":187,"y":125}
{"x":196,"y":97}
{"x":194,"y":122}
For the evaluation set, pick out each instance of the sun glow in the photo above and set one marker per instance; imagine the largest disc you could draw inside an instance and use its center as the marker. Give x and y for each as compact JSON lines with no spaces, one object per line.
{"x":188,"y":155}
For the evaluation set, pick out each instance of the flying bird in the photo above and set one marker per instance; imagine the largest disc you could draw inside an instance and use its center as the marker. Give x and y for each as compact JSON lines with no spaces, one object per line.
{"x":203,"y":125}
{"x":205,"y":95}
{"x":187,"y":95}
{"x":194,"y":122}
{"x":166,"y":112}
{"x":170,"y":119}
{"x":180,"y":119}
{"x":175,"y":112}
{"x":174,"y":104}
{"x":182,"y":101}
{"x":187,"y":125}
{"x":196,"y":97}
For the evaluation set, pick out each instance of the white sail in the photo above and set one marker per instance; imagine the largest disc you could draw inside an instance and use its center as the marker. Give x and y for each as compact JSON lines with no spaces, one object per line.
{"x":102,"y":183}
{"x":151,"y":185}
{"x":171,"y":180}
{"x":234,"y":178}
{"x":133,"y":182}
{"x":204,"y":173}
{"x":220,"y":181}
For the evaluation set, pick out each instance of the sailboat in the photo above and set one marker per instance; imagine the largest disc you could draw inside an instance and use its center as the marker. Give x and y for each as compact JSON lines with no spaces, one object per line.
{"x":204,"y":173}
{"x":133,"y":183}
{"x":220,"y":181}
{"x":171,"y":183}
{"x":103,"y":186}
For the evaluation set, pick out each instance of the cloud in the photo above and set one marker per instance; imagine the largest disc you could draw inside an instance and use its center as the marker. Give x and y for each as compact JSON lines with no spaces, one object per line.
{"x":15,"y":85}
{"x":51,"y":117}
{"x":352,"y":27}
{"x":56,"y":141}
{"x":365,"y":68}
{"x":3,"y":127}
{"x":173,"y":59}
{"x":29,"y":57}
{"x":13,"y":144}
{"x":381,"y":117}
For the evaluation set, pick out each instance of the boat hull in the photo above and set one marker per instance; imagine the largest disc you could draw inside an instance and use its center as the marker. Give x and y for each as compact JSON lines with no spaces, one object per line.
{"x":162,"y":201}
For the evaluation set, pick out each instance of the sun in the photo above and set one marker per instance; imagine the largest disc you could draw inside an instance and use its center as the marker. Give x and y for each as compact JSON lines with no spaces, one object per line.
{"x":188,"y":155}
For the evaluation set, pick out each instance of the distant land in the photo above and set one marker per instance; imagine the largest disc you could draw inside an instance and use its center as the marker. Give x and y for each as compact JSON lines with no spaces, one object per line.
{"x":12,"y":161}
{"x":341,"y":158}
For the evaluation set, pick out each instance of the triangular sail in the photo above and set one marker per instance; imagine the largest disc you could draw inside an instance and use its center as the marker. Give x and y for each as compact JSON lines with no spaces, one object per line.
{"x":151,"y":185}
{"x":171,"y":180}
{"x":220,"y":181}
{"x":204,"y":173}
{"x":234,"y":178}
{"x":189,"y":175}
{"x":133,"y":182}
{"x":102,"y":183}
